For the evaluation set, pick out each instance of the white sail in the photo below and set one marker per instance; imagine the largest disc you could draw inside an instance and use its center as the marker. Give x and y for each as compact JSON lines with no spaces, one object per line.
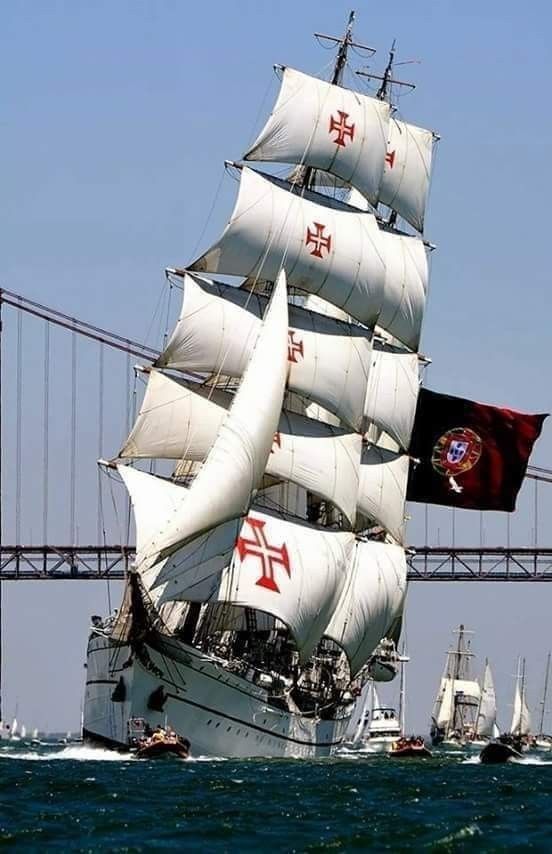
{"x":406,"y":282}
{"x":327,"y":248}
{"x":326,"y":127}
{"x":392,"y":392}
{"x":194,"y":565}
{"x":218,"y":325}
{"x":372,"y":599}
{"x":290,"y":570}
{"x":180,"y":420}
{"x":406,"y":177}
{"x":382,"y":489}
{"x":222,"y":490}
{"x":521,"y":717}
{"x":446,"y":704}
{"x":486,"y":717}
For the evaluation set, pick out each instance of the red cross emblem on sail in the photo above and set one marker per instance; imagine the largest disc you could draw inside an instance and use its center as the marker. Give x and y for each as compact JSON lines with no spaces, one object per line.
{"x":295,"y":348}
{"x":343,"y":130}
{"x":319,"y":240}
{"x":276,"y":441}
{"x":390,"y":158}
{"x":269,"y":556}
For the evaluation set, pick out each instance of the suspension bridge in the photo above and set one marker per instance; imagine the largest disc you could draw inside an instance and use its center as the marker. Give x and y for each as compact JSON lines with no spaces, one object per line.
{"x":68,"y":396}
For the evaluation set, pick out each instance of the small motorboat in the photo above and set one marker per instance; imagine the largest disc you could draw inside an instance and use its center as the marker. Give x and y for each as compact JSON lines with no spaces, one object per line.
{"x":162,"y":744}
{"x":410,"y":747}
{"x":501,"y":750}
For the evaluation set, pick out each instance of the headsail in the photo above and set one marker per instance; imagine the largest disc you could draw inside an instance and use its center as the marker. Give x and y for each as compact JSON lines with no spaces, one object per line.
{"x":326,"y":127}
{"x":372,"y":599}
{"x":222,"y":490}
{"x":328,"y":360}
{"x":406,"y":178}
{"x":521,"y":717}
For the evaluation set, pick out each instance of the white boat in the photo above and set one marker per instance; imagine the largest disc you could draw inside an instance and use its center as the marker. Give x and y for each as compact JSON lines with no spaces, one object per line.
{"x":270,"y":567}
{"x":456,"y":706}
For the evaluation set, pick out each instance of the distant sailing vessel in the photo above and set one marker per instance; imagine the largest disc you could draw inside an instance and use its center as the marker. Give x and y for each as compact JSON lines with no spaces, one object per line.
{"x":485,"y":723}
{"x":521,"y":717}
{"x":457,"y":705}
{"x":258,"y":602}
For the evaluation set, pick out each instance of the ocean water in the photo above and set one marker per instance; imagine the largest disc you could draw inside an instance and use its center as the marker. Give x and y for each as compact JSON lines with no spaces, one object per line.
{"x":81,"y":799}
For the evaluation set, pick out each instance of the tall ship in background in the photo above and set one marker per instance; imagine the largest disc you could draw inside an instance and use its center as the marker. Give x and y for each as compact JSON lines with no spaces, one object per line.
{"x":457,"y":704}
{"x":270,"y":574}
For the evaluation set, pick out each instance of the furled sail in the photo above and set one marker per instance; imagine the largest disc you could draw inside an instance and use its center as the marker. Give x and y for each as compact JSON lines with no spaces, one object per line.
{"x":372,"y":599}
{"x":327,"y":248}
{"x":406,"y":177}
{"x":180,"y":420}
{"x":392,"y":392}
{"x":326,"y":127}
{"x":486,"y":716}
{"x":382,"y":488}
{"x":222,"y":490}
{"x":218,"y":325}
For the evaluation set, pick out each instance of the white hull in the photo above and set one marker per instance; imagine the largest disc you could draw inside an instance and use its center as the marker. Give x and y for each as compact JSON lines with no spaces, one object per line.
{"x":221,"y":713}
{"x":373,"y":746}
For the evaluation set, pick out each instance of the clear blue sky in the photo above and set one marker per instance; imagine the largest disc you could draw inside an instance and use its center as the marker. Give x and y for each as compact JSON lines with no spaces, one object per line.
{"x":116,"y":119}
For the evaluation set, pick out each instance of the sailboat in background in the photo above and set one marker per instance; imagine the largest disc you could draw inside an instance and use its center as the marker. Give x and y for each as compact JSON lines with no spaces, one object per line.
{"x":485,"y":723}
{"x":455,"y":710}
{"x":521,"y":717}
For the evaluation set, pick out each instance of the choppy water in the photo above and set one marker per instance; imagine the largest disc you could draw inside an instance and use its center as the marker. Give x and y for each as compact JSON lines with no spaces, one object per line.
{"x":81,"y":799}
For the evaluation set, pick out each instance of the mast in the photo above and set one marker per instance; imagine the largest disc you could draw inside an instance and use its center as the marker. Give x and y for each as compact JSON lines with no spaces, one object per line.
{"x":402,"y":697}
{"x":345,"y":42}
{"x":544,"y":693}
{"x":522,"y":693}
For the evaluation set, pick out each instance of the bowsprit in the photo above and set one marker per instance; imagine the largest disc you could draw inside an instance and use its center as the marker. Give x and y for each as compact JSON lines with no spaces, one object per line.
{"x":270,"y":556}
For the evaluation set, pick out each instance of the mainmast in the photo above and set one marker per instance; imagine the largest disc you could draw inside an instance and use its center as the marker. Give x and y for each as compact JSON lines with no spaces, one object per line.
{"x":545,"y":691}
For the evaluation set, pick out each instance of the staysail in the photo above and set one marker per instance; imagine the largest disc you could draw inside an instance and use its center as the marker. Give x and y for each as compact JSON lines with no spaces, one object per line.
{"x":222,"y":490}
{"x":521,"y":717}
{"x":372,"y":599}
{"x":324,"y":126}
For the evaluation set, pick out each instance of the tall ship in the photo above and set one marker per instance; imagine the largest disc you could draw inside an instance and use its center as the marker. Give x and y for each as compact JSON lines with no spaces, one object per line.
{"x":270,"y":573}
{"x":457,"y":704}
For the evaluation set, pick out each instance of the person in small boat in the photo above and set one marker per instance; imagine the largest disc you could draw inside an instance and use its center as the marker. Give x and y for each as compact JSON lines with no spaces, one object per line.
{"x":158,"y":735}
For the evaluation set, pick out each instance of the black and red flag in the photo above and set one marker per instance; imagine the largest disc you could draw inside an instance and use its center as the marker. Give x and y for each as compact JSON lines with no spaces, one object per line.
{"x":468,"y":454}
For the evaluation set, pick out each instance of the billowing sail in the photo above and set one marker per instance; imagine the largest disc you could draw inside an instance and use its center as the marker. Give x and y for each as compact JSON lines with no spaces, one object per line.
{"x":180,"y":420}
{"x":406,"y":282}
{"x":382,"y":488}
{"x":222,"y":490}
{"x":392,"y":392}
{"x":406,"y":177}
{"x":290,"y":570}
{"x":446,"y":704}
{"x":486,"y":717}
{"x":218,"y":325}
{"x":326,"y":127}
{"x":372,"y":599}
{"x":327,"y":248}
{"x":521,"y":717}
